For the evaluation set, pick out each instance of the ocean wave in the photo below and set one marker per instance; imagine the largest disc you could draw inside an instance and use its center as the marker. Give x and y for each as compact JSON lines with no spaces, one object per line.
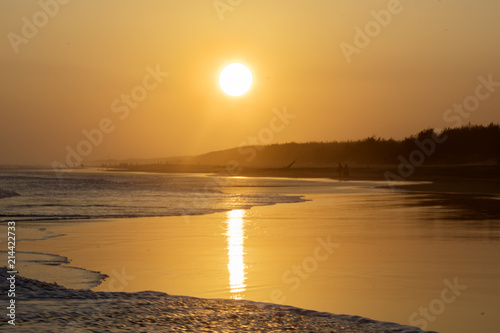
{"x":85,"y":196}
{"x":195,"y":208}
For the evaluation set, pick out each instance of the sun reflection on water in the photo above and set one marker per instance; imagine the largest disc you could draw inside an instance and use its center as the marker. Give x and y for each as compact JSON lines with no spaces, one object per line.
{"x":235,"y":252}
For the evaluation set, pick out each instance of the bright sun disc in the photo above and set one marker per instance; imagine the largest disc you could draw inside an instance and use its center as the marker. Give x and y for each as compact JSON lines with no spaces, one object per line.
{"x":235,"y":79}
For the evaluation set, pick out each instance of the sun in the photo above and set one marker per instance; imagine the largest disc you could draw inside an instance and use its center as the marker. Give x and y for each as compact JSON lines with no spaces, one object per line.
{"x":235,"y":79}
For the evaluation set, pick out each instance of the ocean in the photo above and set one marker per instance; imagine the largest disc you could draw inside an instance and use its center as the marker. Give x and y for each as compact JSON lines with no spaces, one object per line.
{"x":43,"y":194}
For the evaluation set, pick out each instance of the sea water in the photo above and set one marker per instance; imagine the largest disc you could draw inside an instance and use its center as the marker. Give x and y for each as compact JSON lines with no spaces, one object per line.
{"x":412,"y":258}
{"x":90,"y":194}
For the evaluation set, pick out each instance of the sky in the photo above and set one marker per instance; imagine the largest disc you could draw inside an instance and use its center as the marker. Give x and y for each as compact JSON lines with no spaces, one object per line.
{"x":121,"y":79}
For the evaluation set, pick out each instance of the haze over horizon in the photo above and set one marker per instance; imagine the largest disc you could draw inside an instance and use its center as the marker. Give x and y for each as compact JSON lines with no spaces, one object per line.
{"x":144,"y":73}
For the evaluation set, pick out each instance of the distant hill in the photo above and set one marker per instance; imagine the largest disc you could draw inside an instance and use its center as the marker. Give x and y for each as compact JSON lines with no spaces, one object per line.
{"x":467,"y":145}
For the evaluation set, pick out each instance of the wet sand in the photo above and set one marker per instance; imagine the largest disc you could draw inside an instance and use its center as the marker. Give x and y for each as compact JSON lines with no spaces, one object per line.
{"x":447,"y":178}
{"x":323,"y":254}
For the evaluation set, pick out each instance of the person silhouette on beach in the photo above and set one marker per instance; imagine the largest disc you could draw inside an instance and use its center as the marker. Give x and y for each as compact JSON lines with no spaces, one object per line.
{"x":346,"y":170}
{"x":340,"y":170}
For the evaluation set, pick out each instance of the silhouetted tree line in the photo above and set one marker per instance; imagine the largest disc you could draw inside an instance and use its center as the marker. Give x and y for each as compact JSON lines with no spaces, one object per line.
{"x":463,"y":145}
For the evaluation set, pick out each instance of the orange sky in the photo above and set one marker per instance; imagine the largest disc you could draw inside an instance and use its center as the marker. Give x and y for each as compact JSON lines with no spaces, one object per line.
{"x":64,"y":67}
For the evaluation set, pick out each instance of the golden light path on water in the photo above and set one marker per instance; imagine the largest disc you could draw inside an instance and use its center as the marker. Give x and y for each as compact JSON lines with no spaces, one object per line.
{"x":235,"y":252}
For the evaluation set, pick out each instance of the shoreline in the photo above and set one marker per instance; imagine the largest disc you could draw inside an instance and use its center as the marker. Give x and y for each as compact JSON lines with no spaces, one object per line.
{"x":478,"y":179}
{"x":156,"y":311}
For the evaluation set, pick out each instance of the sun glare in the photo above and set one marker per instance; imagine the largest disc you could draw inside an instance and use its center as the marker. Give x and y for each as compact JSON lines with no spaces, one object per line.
{"x":235,"y":79}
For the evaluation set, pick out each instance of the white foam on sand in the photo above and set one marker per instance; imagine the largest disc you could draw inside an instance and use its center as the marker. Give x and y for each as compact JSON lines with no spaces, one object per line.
{"x":50,"y":268}
{"x":48,"y":307}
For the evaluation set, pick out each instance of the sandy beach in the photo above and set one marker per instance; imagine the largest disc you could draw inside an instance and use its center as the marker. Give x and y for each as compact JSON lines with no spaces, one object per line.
{"x":323,"y":254}
{"x":51,"y":308}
